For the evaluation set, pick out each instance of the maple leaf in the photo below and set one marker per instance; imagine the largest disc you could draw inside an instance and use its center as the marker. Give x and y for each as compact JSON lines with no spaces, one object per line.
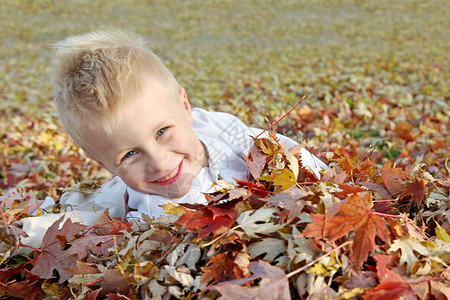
{"x":107,"y":225}
{"x":81,"y":246}
{"x":51,"y":257}
{"x":256,"y":161}
{"x":392,"y":286}
{"x":416,"y":190}
{"x":384,"y":263}
{"x":253,"y":222}
{"x":290,"y":200}
{"x":408,"y":248}
{"x":27,"y":289}
{"x":356,"y":215}
{"x":273,"y":284}
{"x":393,"y":178}
{"x":204,"y":223}
{"x":316,"y":228}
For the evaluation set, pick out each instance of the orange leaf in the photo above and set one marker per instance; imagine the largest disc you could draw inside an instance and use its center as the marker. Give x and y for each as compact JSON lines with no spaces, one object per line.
{"x":356,"y":215}
{"x":314,"y":229}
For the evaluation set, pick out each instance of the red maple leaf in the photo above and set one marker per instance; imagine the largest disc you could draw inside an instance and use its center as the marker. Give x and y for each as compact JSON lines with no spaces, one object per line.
{"x":416,"y":190}
{"x":207,"y":221}
{"x":356,"y":215}
{"x":392,"y":286}
{"x":51,"y":257}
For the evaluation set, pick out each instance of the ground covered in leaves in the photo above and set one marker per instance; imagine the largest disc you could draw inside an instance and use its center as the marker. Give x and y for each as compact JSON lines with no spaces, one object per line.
{"x":375,"y":76}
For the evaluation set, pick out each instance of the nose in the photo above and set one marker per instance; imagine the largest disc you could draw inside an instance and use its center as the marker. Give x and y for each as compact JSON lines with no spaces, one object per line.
{"x":157,"y":160}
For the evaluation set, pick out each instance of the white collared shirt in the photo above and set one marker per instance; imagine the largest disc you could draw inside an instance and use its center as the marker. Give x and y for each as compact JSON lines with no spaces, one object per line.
{"x":227,"y":140}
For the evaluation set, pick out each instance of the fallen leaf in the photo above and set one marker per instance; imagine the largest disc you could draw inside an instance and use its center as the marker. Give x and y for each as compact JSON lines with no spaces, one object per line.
{"x":273,"y":284}
{"x":51,"y":257}
{"x":408,"y":248}
{"x":416,"y":190}
{"x":356,"y":215}
{"x":393,"y":178}
{"x":258,"y":222}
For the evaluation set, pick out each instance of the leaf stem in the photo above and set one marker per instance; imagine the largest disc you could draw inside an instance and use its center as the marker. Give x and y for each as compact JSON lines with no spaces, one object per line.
{"x":407,"y":220}
{"x":31,"y":247}
{"x":94,"y":282}
{"x":301,"y":100}
{"x":317,"y":259}
{"x":220,"y":236}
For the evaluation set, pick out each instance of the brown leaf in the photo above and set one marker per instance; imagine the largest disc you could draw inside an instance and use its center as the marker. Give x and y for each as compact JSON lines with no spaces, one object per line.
{"x":290,"y":200}
{"x":403,"y":130}
{"x":205,"y":223}
{"x":315,"y":229}
{"x":96,"y":244}
{"x":273,"y":284}
{"x":220,"y":267}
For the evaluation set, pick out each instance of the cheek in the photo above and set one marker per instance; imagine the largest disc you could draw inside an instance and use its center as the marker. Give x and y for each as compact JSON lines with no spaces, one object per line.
{"x":131,"y":174}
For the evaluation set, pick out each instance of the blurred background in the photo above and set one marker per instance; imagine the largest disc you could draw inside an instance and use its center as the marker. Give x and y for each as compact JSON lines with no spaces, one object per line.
{"x":375,"y":74}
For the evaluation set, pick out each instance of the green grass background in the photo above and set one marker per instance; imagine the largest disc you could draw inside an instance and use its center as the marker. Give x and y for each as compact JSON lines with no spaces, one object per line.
{"x":214,"y":47}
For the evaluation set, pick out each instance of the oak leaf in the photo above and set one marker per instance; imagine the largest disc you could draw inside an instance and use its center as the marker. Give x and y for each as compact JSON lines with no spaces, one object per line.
{"x":356,"y":215}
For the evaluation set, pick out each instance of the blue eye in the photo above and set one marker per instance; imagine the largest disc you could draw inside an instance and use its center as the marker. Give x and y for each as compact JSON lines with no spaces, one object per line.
{"x":130,"y":153}
{"x":161,"y":132}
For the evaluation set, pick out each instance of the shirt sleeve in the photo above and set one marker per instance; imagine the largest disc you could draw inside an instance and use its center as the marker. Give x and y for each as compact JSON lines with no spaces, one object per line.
{"x":85,"y":208}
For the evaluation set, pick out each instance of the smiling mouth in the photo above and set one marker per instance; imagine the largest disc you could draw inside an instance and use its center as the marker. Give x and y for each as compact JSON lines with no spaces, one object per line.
{"x":171,"y":177}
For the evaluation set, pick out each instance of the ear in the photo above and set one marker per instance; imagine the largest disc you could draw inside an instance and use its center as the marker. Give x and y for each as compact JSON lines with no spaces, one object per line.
{"x":186,"y":105}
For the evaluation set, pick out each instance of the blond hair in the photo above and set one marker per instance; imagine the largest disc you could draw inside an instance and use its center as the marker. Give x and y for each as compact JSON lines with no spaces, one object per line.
{"x":96,"y":73}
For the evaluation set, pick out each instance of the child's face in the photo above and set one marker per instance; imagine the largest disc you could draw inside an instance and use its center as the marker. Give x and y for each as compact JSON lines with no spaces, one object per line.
{"x":155,"y":150}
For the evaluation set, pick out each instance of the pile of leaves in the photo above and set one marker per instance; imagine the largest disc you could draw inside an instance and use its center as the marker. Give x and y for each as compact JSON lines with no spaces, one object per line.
{"x":356,"y":231}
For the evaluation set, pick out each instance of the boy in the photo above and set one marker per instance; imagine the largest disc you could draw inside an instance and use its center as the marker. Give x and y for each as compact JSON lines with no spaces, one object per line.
{"x":124,"y":108}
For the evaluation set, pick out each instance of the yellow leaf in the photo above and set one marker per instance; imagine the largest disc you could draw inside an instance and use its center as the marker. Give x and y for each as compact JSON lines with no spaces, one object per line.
{"x":318,"y":269}
{"x":171,"y":209}
{"x":442,"y":234}
{"x":284,"y":178}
